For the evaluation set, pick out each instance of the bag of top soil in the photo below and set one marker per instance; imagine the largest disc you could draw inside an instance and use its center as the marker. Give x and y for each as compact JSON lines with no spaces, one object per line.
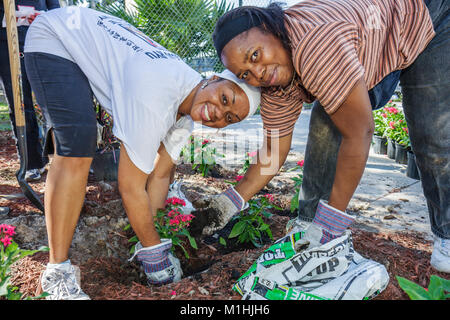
{"x":331,"y":271}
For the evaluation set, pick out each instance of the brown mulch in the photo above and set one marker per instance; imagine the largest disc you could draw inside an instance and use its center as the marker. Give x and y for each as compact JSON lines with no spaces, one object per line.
{"x":211,"y":271}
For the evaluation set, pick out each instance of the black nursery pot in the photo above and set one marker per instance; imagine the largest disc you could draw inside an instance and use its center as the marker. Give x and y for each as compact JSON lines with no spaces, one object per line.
{"x":106,"y":165}
{"x":411,"y":170}
{"x":379,"y":145}
{"x":391,"y":149}
{"x":401,"y":154}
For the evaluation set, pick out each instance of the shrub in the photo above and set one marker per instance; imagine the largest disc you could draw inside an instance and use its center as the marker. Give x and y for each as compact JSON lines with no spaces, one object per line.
{"x":9,"y":254}
{"x":250,"y":226}
{"x":171,"y":223}
{"x":200,"y":153}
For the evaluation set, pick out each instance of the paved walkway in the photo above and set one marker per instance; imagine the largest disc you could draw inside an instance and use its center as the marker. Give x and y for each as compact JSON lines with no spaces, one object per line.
{"x":385,"y":199}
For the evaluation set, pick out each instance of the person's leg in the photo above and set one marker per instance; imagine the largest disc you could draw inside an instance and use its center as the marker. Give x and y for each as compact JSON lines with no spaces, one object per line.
{"x":65,"y":189}
{"x":426,"y":102}
{"x":34,"y":147}
{"x":322,"y":148}
{"x":320,"y":162}
{"x":65,"y":96}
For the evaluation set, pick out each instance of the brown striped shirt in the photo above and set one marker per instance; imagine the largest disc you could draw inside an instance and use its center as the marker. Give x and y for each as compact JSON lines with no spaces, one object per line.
{"x":337,"y":42}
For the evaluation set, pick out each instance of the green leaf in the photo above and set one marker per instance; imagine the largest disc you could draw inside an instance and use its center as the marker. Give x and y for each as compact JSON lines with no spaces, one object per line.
{"x":222,"y":241}
{"x":133,"y":239}
{"x":4,"y":286}
{"x":435,"y":288}
{"x":413,"y":290}
{"x":238,"y":228}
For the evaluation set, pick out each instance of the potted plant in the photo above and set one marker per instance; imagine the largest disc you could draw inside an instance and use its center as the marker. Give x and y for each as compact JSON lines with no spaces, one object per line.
{"x":379,"y":143}
{"x":105,"y":164}
{"x":411,"y":169}
{"x":392,"y":129}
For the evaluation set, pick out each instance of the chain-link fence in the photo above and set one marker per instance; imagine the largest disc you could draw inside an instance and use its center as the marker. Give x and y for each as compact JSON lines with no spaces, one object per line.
{"x":181,"y":26}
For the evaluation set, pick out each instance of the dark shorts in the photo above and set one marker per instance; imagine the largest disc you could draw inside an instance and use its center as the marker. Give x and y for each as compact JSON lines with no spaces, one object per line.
{"x":65,"y":97}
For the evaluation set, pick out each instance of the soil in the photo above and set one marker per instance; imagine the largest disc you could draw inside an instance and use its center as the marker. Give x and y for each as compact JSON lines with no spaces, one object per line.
{"x":212,"y":270}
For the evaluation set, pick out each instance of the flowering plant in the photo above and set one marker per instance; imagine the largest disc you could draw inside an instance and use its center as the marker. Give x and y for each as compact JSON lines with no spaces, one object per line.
{"x":380,"y":119}
{"x":171,"y":223}
{"x":200,"y":154}
{"x":236,"y":180}
{"x":247,"y":161}
{"x":9,"y":254}
{"x":436,"y":290}
{"x":250,"y":225}
{"x":396,"y":128}
{"x":298,"y":180}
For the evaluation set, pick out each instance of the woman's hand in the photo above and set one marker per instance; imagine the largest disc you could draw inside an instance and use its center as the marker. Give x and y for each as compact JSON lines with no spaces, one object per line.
{"x":354,"y":120}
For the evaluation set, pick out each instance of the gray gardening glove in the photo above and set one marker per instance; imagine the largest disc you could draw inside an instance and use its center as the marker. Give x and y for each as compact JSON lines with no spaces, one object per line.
{"x":329,"y":223}
{"x":160,"y":265}
{"x":215,"y":212}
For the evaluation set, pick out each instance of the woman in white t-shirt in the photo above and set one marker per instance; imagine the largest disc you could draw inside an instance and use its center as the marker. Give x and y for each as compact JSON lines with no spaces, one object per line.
{"x":73,"y":54}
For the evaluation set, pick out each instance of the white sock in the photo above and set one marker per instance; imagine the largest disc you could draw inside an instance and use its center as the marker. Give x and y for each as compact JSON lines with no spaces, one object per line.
{"x":65,"y":266}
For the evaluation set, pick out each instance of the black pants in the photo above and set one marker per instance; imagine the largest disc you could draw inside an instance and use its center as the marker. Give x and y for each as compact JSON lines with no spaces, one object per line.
{"x":34,"y":147}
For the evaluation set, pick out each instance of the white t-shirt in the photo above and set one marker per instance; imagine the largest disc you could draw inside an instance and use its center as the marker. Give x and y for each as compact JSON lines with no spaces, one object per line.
{"x":138,"y":82}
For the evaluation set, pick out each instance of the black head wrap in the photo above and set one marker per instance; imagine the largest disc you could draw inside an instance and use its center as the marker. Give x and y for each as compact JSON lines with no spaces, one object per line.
{"x":232,"y":28}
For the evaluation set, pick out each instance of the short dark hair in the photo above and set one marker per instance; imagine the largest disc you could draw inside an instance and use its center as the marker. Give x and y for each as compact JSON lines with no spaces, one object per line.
{"x":271,"y":18}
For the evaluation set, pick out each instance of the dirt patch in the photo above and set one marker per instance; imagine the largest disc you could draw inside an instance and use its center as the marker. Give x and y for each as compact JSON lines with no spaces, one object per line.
{"x":212,"y":270}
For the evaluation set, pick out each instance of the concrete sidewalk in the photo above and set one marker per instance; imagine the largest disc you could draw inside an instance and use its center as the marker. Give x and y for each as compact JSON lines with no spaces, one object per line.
{"x":385,"y":198}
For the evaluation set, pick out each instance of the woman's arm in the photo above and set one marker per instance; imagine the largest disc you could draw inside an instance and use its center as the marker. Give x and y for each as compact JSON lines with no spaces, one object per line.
{"x":132,"y":188}
{"x":159,"y":180}
{"x":269,"y":161}
{"x":354,"y":120}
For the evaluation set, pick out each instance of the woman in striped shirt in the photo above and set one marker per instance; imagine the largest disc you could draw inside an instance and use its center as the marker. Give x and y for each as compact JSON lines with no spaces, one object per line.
{"x":338,"y":53}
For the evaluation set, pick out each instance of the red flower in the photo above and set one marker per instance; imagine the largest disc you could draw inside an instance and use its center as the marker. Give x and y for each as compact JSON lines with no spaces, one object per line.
{"x":239,"y":178}
{"x":392,"y":125}
{"x":301,"y":163}
{"x":205,"y":142}
{"x":269,"y":197}
{"x":384,"y":115}
{"x":175,"y":201}
{"x":6,"y":240}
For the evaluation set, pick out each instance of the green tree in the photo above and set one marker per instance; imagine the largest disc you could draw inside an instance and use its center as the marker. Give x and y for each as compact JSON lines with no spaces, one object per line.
{"x":184,"y":27}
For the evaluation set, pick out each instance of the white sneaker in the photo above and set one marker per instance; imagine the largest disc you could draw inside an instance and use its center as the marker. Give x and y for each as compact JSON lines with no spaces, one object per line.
{"x":34,"y":174}
{"x":440,"y":258}
{"x":175,"y":191}
{"x":61,"y":284}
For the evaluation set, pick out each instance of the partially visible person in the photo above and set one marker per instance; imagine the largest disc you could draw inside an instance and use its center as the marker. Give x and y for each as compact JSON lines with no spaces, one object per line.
{"x":153,"y":97}
{"x":335,"y":53}
{"x":36,"y":163}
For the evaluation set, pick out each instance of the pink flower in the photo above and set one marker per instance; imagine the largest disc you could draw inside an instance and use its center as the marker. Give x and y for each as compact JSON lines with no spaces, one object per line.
{"x":173,"y":293}
{"x":405,"y":129}
{"x":174,"y":222}
{"x":384,"y":115}
{"x":205,"y":142}
{"x":175,"y":201}
{"x":239,"y":178}
{"x":301,"y":163}
{"x":252,"y":154}
{"x":6,"y":240}
{"x":7,"y":229}
{"x":269,"y":197}
{"x":392,"y":124}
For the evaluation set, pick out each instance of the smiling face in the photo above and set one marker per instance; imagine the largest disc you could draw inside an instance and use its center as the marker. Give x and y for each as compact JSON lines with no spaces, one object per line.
{"x":259,"y":58}
{"x":220,"y":103}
